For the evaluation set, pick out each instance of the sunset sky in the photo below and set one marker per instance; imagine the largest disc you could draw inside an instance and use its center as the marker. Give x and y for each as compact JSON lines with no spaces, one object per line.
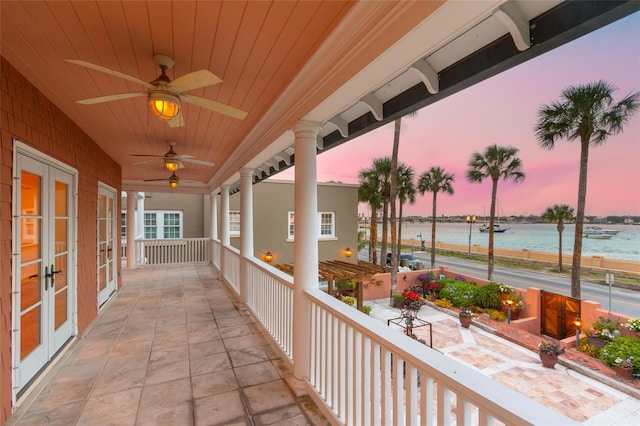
{"x":503,"y":111}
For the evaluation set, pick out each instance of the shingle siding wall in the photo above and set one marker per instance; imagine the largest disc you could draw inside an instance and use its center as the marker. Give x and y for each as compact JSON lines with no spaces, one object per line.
{"x":27,"y":115}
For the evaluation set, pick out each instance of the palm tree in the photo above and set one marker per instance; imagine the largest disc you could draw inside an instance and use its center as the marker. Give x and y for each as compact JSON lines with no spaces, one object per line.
{"x":382,"y":170}
{"x":586,"y":113}
{"x":368,"y":192}
{"x":496,"y":162}
{"x":435,"y":180}
{"x":559,"y":213}
{"x":406,"y":192}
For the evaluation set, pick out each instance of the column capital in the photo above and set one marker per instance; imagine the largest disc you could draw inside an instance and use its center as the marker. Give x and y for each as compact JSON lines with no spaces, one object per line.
{"x":246,"y":172}
{"x":307,"y":129}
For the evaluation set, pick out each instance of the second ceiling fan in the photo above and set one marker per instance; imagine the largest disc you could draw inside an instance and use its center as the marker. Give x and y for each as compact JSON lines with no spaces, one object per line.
{"x":173,"y":161}
{"x":164,"y":95}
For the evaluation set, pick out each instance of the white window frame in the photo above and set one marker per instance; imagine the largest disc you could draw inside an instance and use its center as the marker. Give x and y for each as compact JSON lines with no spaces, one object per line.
{"x":327,"y":236}
{"x":159,"y":226}
{"x":234,"y":223}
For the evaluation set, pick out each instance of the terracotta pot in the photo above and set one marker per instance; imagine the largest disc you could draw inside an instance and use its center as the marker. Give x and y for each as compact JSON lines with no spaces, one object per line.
{"x":548,"y":360}
{"x":515,"y":313}
{"x":625,"y":373}
{"x":465,"y":321}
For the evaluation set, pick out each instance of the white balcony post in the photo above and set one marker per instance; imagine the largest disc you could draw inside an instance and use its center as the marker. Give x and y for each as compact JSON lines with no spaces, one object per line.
{"x":305,"y":257}
{"x":139,"y":233}
{"x":246,"y":228}
{"x":224,"y":224}
{"x":214,"y":215}
{"x":131,"y":229}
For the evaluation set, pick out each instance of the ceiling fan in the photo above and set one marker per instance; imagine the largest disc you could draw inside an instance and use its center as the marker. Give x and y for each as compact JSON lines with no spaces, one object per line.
{"x":164,"y":95}
{"x":173,"y":161}
{"x":173,"y":180}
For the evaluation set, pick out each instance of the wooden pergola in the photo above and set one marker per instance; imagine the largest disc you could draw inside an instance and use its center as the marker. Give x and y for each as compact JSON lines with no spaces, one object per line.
{"x":332,"y":271}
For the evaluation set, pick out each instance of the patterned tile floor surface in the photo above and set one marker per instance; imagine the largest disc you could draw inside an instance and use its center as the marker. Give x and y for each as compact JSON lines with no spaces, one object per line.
{"x":172,"y":348}
{"x":586,"y":399}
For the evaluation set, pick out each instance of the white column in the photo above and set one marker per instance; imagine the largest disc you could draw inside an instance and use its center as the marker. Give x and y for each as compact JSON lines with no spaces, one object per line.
{"x":139,"y":215}
{"x":131,"y":229}
{"x":214,"y":215}
{"x":246,"y":228}
{"x":305,"y":257}
{"x":224,"y":225}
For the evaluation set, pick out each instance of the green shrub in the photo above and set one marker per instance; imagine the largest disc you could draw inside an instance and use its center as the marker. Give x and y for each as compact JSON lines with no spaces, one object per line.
{"x":366,"y":309}
{"x":623,"y":348}
{"x":496,"y":315}
{"x":460,"y":294}
{"x":489,"y":296}
{"x":588,"y":349}
{"x":346,"y":285}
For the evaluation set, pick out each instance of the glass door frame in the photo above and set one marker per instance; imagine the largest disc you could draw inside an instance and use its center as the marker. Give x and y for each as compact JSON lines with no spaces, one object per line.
{"x":113,"y":234}
{"x":21,"y":150}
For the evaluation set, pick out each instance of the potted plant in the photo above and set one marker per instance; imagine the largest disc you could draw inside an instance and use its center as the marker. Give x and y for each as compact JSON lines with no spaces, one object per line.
{"x":624,"y":367}
{"x":549,"y":351}
{"x":505,"y":291}
{"x":412,"y":300}
{"x":516,"y":306}
{"x":465,"y":316}
{"x":603,"y":331}
{"x":346,"y":287}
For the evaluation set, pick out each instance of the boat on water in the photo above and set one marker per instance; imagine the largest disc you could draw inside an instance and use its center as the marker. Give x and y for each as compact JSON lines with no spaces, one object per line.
{"x":598,"y":236}
{"x":496,"y":228}
{"x":611,"y":231}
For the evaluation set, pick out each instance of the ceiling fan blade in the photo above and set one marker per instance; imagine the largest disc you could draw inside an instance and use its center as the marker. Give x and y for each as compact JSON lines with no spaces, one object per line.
{"x":155,"y":180}
{"x":202,"y":162}
{"x":110,"y":72}
{"x":177,"y":121}
{"x":195,"y":80}
{"x":147,"y":155}
{"x":109,"y":98}
{"x":215,"y":106}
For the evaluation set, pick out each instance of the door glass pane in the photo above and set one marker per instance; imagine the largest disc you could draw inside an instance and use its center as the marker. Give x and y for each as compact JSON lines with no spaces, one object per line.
{"x":61,"y":199}
{"x":61,"y":307}
{"x":61,"y":277}
{"x":61,"y":235}
{"x":30,"y":194}
{"x":29,"y":331}
{"x":102,"y":278}
{"x":30,"y":239}
{"x":30,"y":290}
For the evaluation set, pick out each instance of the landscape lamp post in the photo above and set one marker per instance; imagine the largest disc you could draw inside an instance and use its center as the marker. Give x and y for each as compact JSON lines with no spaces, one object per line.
{"x":470,"y":221}
{"x":577,"y":323}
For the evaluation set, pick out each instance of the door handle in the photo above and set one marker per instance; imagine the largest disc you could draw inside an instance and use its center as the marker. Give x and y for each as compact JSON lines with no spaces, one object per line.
{"x":53,"y":277}
{"x":47,"y":275}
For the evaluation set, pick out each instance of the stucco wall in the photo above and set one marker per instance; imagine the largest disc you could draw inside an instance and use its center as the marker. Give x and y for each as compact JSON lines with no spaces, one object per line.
{"x":27,"y":115}
{"x":191,"y":205}
{"x":271,"y":202}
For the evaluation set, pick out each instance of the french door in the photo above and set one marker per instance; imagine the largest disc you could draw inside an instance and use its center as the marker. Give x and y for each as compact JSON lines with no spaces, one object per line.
{"x":106,"y":243}
{"x":44,"y":287}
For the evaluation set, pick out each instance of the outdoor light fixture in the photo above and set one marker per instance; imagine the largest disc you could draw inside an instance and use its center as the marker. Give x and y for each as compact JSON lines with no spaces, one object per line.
{"x":171,"y":165}
{"x":164,"y":104}
{"x":577,"y":323}
{"x":173,"y":181}
{"x":268,"y":257}
{"x":470,"y":220}
{"x":509,"y":303}
{"x":348,"y":252}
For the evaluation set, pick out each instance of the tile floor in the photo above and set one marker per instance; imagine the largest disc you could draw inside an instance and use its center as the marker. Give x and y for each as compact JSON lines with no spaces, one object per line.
{"x":172,"y":348}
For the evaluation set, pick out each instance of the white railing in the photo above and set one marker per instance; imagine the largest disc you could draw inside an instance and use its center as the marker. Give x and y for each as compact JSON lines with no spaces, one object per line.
{"x":216,"y":253}
{"x":231,"y":269}
{"x":270,"y":297}
{"x":366,"y":373}
{"x":186,"y":251}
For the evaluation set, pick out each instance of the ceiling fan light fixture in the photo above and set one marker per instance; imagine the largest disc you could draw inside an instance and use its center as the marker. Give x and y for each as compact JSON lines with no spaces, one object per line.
{"x":171,"y":165}
{"x":163,"y":104}
{"x":173,"y":181}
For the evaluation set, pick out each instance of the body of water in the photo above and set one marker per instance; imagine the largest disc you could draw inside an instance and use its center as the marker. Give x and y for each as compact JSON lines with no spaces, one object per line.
{"x":541,"y":237}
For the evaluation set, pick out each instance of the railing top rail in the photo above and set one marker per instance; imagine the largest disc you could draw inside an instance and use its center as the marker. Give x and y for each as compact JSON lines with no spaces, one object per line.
{"x":272,"y":270}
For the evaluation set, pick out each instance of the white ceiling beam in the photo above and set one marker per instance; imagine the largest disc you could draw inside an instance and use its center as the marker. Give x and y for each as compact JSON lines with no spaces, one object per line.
{"x":427,"y":74}
{"x":375,"y":106}
{"x":518,"y":25}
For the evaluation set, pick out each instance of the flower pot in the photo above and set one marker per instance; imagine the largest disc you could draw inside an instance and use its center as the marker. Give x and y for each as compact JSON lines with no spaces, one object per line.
{"x":515,"y":313}
{"x":465,"y":321}
{"x":548,"y":360}
{"x":625,"y":373}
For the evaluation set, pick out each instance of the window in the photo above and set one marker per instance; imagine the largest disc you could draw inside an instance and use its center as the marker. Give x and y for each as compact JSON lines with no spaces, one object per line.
{"x":150,"y":226}
{"x":326,"y":225}
{"x":157,"y":224}
{"x":234,"y":222}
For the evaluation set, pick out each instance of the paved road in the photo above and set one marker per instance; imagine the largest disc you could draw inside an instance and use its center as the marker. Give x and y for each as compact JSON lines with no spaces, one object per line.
{"x":623,"y":301}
